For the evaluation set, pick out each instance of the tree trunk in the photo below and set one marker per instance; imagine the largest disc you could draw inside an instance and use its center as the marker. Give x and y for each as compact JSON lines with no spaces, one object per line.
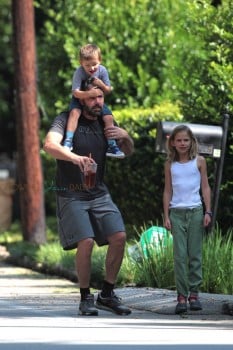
{"x":29,"y":167}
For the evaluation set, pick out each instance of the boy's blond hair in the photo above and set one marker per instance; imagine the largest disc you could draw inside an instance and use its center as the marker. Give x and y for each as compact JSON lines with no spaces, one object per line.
{"x":89,"y":51}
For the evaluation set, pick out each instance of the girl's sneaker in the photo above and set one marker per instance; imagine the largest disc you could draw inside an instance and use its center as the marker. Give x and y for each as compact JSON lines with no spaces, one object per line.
{"x":181,"y":307}
{"x":194,"y":302}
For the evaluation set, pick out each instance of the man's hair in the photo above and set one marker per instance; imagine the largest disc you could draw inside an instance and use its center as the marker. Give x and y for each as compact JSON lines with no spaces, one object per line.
{"x":87,"y":52}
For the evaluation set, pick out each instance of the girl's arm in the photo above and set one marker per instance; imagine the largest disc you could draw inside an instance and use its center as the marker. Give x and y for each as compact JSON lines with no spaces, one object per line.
{"x":167,"y":194}
{"x":205,"y":189}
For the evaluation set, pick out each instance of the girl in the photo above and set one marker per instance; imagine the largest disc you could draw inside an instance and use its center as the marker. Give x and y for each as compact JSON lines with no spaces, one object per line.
{"x":185,"y":176}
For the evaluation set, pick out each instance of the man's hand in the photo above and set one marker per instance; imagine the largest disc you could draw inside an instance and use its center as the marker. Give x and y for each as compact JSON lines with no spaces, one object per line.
{"x":92,"y":93}
{"x":124,"y":141}
{"x":115,"y":133}
{"x":81,"y":161}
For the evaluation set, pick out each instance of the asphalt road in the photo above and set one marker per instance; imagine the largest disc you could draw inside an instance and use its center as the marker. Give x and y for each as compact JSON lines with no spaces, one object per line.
{"x":40,"y":312}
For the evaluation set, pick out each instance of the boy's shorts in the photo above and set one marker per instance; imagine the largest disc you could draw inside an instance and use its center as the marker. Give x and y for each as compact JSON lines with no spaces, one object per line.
{"x":76,"y":104}
{"x":97,"y":219}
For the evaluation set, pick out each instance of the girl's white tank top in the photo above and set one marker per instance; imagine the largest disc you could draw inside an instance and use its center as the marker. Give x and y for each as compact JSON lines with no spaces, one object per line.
{"x":186,"y":180}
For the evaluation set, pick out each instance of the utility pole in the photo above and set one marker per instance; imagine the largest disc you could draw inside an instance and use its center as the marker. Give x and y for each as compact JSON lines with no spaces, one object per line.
{"x":29,"y":167}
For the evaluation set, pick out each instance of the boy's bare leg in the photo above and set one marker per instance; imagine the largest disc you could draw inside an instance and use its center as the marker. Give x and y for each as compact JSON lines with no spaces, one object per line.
{"x":71,"y":127}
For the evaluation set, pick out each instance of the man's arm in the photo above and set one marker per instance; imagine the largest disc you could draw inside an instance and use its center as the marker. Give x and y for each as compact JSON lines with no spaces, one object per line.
{"x":124,"y":141}
{"x":53,"y":146}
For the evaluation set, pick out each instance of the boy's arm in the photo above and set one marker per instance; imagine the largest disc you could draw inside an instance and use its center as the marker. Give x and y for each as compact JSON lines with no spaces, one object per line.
{"x":103,"y":81}
{"x":84,"y":94}
{"x":105,"y":88}
{"x":78,"y":78}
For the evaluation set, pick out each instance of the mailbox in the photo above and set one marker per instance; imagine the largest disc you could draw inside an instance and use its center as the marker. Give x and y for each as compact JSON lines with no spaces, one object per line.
{"x":209,"y":137}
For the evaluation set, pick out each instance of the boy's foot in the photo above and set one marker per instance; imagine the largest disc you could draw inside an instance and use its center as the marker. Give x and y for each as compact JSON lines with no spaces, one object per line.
{"x":68,"y":144}
{"x":87,"y":307}
{"x":181,"y":307}
{"x":115,"y":152}
{"x":112,"y":304}
{"x":194,"y":302}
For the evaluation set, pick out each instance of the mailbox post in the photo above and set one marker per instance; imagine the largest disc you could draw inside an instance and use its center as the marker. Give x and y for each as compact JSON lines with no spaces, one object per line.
{"x":211,"y":143}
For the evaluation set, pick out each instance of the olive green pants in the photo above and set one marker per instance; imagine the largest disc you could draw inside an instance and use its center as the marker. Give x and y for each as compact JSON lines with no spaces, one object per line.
{"x":187,"y":231}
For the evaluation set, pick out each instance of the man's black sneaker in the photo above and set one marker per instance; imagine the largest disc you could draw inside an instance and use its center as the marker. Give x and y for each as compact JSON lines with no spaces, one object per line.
{"x":87,"y":307}
{"x":112,"y":304}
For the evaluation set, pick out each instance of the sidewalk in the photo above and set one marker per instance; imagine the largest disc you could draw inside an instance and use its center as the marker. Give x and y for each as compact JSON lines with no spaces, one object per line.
{"x":29,"y":286}
{"x":163,"y":302}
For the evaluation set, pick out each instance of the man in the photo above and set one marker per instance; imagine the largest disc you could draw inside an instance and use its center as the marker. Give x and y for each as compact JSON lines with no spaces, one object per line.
{"x":86,"y":214}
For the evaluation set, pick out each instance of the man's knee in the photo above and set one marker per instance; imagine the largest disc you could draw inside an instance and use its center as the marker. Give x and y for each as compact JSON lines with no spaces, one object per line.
{"x":118,"y":238}
{"x":86,"y":244}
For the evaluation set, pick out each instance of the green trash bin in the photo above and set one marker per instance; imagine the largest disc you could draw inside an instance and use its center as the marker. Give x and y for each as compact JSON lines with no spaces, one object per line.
{"x":155,"y":237}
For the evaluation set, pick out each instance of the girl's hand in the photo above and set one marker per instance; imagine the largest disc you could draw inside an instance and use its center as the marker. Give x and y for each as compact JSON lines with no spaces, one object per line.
{"x":167,"y":224}
{"x":206,"y":220}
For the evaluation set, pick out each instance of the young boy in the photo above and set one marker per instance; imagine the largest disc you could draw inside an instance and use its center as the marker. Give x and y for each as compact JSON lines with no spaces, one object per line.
{"x":90,"y":68}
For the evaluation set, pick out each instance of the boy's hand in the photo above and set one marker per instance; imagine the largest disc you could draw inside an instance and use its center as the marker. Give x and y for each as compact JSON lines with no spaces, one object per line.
{"x":93,"y":93}
{"x":98,"y":82}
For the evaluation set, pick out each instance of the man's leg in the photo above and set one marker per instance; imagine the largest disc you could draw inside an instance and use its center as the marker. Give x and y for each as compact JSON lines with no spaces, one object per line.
{"x":83,"y":262}
{"x":107,"y":300}
{"x":114,"y":256}
{"x":83,"y":267}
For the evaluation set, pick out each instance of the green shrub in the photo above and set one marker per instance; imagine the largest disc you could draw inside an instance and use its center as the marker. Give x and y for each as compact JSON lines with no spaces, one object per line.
{"x":218,"y":262}
{"x":153,"y":270}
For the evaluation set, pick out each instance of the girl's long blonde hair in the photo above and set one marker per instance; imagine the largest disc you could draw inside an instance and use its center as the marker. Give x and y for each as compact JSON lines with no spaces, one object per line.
{"x":172,"y":154}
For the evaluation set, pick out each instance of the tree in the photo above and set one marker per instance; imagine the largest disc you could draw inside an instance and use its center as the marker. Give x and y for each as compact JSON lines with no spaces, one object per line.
{"x":27,"y":123}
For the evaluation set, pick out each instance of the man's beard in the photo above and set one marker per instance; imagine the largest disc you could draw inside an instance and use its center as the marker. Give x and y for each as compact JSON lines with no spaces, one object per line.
{"x":95,"y":111}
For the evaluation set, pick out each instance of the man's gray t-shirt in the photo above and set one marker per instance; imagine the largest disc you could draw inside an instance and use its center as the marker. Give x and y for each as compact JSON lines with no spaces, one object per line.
{"x":88,"y":139}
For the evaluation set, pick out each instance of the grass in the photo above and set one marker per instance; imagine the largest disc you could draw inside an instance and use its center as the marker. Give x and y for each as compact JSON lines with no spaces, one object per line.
{"x":147,"y":266}
{"x":218,"y":262}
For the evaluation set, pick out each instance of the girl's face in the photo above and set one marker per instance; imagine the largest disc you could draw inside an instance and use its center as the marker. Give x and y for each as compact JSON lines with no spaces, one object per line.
{"x":90,"y":66}
{"x":182,"y":142}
